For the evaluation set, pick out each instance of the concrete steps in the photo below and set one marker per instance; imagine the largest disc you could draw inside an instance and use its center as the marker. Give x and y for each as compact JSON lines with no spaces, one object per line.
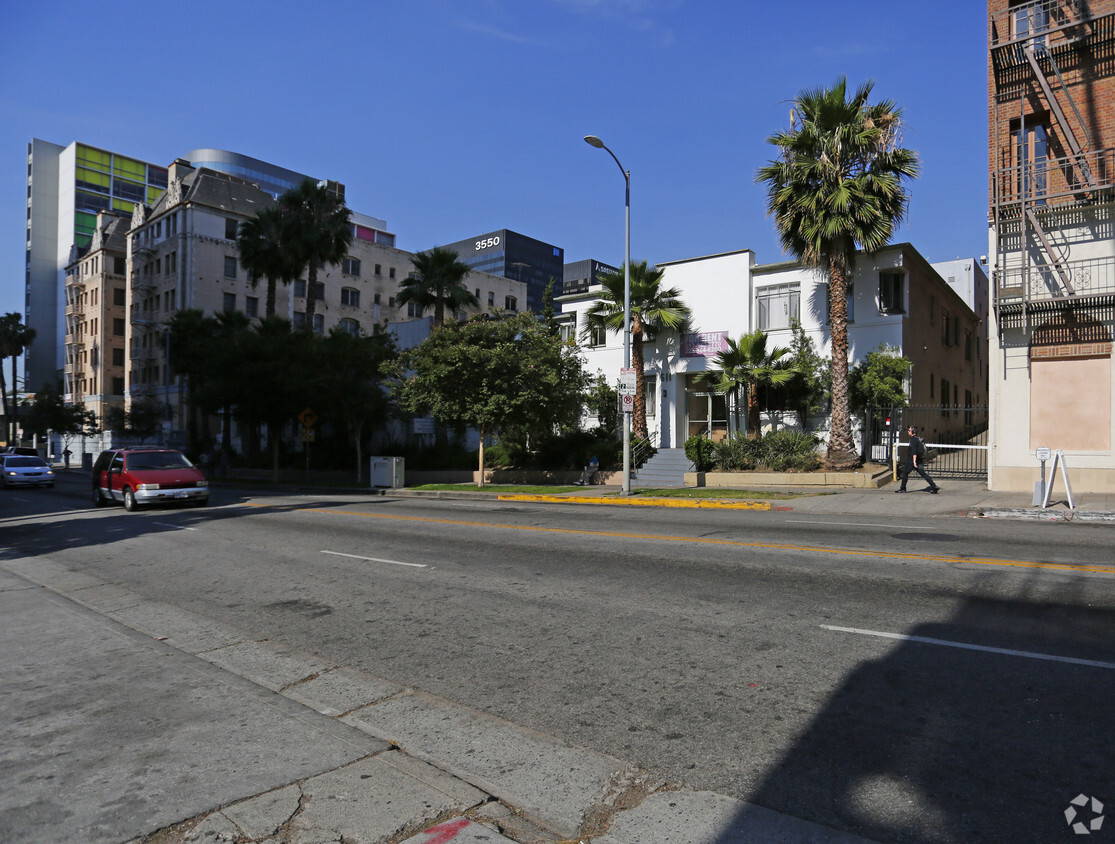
{"x":666,"y":469}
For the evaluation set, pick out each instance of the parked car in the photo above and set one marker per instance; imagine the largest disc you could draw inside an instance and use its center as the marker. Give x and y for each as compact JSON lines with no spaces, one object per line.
{"x":24,"y":470}
{"x":139,"y":476}
{"x":21,"y":449}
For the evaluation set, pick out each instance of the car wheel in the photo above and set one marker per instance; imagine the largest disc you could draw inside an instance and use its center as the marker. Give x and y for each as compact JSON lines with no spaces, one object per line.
{"x":129,"y":499}
{"x":98,"y":499}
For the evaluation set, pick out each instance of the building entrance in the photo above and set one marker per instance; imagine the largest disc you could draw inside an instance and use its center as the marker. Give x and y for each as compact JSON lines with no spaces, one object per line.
{"x":706,"y":410}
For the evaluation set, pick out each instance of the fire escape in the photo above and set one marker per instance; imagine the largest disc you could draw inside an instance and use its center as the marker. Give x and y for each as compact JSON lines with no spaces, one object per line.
{"x":1049,"y":169}
{"x":74,"y":370}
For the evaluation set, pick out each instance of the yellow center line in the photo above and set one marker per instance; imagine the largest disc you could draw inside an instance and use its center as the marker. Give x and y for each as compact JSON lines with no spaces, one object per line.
{"x":778,"y":546}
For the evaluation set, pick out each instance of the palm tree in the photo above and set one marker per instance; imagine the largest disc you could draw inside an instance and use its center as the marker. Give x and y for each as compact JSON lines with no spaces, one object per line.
{"x":745,"y":366}
{"x":317,"y":232}
{"x":438,"y":282}
{"x":190,"y":344}
{"x":15,"y":337}
{"x":837,"y":185}
{"x":652,"y":309}
{"x":262,"y":252}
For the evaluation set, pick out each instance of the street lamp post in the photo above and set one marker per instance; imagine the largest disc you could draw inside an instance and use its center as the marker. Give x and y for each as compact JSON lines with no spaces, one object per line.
{"x":594,"y":141}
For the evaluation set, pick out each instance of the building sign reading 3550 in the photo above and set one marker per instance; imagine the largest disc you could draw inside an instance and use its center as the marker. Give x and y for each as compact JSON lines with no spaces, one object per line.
{"x":487,"y":243}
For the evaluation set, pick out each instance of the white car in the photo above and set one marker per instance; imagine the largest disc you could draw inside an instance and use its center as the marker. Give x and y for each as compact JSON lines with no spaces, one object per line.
{"x":23,"y":470}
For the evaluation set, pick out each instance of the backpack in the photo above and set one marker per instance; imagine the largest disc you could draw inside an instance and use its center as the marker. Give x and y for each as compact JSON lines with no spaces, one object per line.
{"x":917,"y":446}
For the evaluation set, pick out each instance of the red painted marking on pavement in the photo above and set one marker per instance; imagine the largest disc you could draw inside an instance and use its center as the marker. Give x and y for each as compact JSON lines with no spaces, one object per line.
{"x":448,"y":831}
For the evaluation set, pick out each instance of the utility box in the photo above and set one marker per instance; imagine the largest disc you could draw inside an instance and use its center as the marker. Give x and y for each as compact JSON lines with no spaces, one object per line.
{"x":387,"y":472}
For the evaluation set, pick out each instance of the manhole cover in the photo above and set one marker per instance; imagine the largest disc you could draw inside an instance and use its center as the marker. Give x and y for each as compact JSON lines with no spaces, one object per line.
{"x":927,"y":537}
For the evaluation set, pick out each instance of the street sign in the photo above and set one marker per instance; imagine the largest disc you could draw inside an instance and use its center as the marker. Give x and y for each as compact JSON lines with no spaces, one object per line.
{"x":307,"y":417}
{"x":627,"y":403}
{"x":1044,"y":453}
{"x":307,"y":435}
{"x":627,"y":382}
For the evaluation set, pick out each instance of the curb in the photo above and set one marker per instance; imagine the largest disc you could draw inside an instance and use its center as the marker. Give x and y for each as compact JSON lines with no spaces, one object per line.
{"x":682,"y":503}
{"x":1097,"y":516}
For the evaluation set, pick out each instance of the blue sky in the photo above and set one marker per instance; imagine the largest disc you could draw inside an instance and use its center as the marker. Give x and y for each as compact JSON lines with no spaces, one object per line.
{"x":449,"y":118}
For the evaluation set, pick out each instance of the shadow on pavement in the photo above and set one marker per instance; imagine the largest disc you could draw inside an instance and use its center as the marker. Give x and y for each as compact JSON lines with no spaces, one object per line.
{"x":934,"y":743}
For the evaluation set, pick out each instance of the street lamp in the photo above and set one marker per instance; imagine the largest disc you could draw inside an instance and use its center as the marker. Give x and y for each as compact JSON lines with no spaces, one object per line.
{"x":594,"y":141}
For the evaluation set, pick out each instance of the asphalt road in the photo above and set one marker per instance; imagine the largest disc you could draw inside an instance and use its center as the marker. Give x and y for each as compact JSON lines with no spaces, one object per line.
{"x":938,"y":680}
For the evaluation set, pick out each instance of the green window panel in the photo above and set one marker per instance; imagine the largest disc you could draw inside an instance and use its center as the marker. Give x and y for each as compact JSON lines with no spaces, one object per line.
{"x":84,"y":223}
{"x":153,"y":194}
{"x":123,"y":205}
{"x":94,"y":158}
{"x":131,"y":169}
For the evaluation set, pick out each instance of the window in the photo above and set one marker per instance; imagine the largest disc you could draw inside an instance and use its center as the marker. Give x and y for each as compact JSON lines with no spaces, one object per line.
{"x":391,"y":272}
{"x":350,"y":266}
{"x":378,"y":271}
{"x":944,"y":397}
{"x":413,"y":311}
{"x":119,"y":296}
{"x":172,"y":263}
{"x":967,"y":345}
{"x":350,"y":296}
{"x":118,"y":327}
{"x":891,"y":292}
{"x":350,"y":326}
{"x":650,"y":393}
{"x":1031,"y":143}
{"x":597,"y":335}
{"x":390,"y":301}
{"x":510,"y":303}
{"x":299,"y":319}
{"x":118,"y":386}
{"x":230,"y":266}
{"x":319,"y":324}
{"x":120,"y":266}
{"x":251,"y":306}
{"x":117,"y":357}
{"x":230,"y":302}
{"x":930,"y":385}
{"x":491,"y":299}
{"x":231,"y":229}
{"x":779,"y":306}
{"x":319,"y":290}
{"x":300,"y":289}
{"x":375,"y":299}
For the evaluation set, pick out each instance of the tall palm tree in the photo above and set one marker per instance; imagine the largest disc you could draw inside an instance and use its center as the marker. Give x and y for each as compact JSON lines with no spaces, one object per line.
{"x":438,"y":281}
{"x":653,"y":309}
{"x":262,"y":252}
{"x":746,"y":366}
{"x":15,"y":337}
{"x":838,"y":185}
{"x":190,"y":343}
{"x":317,"y":232}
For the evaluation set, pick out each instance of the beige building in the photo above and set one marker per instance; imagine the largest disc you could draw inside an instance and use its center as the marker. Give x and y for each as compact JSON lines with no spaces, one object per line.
{"x":95,"y":364}
{"x":181,"y":253}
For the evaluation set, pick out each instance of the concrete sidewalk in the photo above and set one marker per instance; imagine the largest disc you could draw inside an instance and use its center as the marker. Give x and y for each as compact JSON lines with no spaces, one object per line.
{"x":135,"y":721}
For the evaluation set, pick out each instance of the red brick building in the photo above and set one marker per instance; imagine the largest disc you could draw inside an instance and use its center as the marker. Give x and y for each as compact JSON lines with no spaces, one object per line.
{"x":1051,"y":105}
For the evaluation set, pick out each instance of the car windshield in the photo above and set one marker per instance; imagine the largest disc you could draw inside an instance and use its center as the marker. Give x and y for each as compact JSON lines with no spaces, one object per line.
{"x":158,"y":460}
{"x":12,"y":462}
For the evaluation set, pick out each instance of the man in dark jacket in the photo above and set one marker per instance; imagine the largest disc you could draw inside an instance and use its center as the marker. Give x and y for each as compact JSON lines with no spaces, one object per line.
{"x":915,"y":454}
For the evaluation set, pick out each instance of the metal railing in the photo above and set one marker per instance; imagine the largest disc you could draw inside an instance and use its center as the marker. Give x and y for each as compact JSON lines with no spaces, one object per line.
{"x":956,"y":437}
{"x":1055,"y":181}
{"x":1089,"y":277}
{"x":1039,"y":18}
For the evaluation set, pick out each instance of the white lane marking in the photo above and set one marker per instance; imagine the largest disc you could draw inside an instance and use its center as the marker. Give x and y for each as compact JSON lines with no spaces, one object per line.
{"x":376,"y":559}
{"x":176,"y":527}
{"x":854,"y":524}
{"x":1092,"y":663}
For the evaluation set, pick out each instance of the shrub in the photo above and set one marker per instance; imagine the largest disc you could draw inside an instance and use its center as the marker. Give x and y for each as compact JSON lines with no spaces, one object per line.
{"x":789,"y":450}
{"x":700,"y":452}
{"x":735,"y":454}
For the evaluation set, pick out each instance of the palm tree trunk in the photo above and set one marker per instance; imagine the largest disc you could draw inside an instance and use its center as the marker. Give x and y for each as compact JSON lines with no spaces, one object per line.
{"x":270,"y":307}
{"x":638,"y":363}
{"x":841,"y":451}
{"x":4,"y":399}
{"x":480,"y":484}
{"x":311,"y":299}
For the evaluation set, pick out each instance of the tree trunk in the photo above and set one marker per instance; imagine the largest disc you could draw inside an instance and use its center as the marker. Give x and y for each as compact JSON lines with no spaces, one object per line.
{"x":637,"y":362}
{"x":269,"y":308}
{"x":754,"y":421}
{"x":841,"y":451}
{"x":4,"y":400}
{"x":480,"y":484}
{"x":311,"y":299}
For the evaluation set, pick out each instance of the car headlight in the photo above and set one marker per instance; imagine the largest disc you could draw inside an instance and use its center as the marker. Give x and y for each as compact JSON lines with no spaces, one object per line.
{"x":146,"y":487}
{"x":50,"y":471}
{"x":203,"y":483}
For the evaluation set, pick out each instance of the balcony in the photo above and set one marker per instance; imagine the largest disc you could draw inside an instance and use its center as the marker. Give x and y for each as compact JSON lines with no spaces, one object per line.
{"x":1091,"y":279}
{"x":1070,"y":180}
{"x":1049,"y":21}
{"x":74,"y":309}
{"x":143,"y":282}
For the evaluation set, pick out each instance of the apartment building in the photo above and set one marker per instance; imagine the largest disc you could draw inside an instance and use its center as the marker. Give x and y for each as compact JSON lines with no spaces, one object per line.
{"x":1051,"y":106}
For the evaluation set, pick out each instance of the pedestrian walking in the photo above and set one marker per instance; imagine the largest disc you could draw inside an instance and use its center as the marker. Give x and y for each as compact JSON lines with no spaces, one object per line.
{"x":915,"y":455}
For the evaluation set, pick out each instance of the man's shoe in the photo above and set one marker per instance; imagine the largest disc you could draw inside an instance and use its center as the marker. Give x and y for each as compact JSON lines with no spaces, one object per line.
{"x":898,"y":491}
{"x":935,"y":490}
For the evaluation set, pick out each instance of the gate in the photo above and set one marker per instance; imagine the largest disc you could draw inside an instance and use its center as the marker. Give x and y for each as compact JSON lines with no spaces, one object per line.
{"x":956,"y":437}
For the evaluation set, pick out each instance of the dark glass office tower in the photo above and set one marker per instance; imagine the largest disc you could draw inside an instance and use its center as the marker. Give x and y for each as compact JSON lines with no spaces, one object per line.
{"x":516,"y":256}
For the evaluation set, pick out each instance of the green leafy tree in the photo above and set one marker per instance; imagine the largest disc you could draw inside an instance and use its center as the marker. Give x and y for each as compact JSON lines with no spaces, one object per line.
{"x":438,"y":282}
{"x":746,"y":367}
{"x":548,"y":315}
{"x":142,"y":420}
{"x":810,"y":391}
{"x":836,"y":186}
{"x":264,"y":254}
{"x":351,"y":383}
{"x":493,"y":373}
{"x":602,"y":401}
{"x":49,"y":411}
{"x":15,"y":337}
{"x":880,"y":381}
{"x":316,"y":231}
{"x":653,"y":309}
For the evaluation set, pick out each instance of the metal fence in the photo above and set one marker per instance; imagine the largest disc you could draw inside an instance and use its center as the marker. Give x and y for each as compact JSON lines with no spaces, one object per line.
{"x":956,"y":438}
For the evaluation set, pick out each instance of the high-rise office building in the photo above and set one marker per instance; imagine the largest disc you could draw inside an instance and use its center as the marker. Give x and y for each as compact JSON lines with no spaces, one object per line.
{"x":66,"y":188}
{"x":515,"y":256}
